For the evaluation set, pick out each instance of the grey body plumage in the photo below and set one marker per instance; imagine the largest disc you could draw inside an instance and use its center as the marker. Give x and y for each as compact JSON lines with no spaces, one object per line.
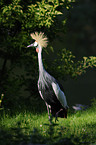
{"x":45,"y":86}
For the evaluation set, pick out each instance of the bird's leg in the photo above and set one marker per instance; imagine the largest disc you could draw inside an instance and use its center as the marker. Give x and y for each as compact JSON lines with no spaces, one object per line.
{"x":49,"y":111}
{"x":56,"y":116}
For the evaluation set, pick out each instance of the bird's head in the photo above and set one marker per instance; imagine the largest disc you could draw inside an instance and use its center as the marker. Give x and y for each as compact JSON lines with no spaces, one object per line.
{"x":39,"y":41}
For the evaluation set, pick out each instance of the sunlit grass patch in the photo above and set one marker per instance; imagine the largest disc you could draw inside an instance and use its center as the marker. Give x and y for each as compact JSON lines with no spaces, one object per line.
{"x":78,"y":128}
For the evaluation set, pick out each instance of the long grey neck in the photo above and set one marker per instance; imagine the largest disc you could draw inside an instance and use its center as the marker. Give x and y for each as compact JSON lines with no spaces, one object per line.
{"x":41,"y":68}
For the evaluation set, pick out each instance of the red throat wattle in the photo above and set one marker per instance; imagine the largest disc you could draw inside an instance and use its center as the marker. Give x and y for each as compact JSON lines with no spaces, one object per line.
{"x":37,"y":50}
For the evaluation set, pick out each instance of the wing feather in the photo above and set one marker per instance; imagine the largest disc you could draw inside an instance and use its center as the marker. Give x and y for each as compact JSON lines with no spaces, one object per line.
{"x":60,"y":95}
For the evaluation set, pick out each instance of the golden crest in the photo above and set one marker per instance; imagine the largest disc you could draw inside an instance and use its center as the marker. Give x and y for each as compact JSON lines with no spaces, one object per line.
{"x":41,"y":39}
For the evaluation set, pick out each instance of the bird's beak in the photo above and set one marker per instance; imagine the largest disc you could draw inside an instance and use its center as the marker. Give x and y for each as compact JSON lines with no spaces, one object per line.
{"x":30,"y":45}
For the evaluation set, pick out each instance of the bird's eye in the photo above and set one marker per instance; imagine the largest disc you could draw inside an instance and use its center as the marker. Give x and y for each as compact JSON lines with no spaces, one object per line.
{"x":35,"y":43}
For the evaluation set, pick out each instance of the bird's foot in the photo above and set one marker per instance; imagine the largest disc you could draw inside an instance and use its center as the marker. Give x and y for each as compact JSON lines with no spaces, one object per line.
{"x":56,"y":117}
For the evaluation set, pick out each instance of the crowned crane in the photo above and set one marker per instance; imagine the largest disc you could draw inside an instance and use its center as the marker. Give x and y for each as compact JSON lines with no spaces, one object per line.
{"x":48,"y":86}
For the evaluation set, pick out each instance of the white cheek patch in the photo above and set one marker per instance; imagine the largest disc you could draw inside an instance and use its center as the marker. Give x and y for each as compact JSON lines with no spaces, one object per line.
{"x":35,"y":43}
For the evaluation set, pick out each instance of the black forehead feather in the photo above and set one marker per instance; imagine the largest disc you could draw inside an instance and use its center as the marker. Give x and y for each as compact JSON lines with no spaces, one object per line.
{"x":33,"y":40}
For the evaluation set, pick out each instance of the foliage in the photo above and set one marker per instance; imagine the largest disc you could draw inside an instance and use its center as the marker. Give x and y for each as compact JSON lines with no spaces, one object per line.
{"x":93,"y":102}
{"x":43,"y":13}
{"x":67,"y":65}
{"x":86,"y":63}
{"x":2,"y":96}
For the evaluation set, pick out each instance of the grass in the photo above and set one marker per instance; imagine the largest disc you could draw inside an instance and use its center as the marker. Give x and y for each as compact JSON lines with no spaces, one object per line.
{"x":31,"y":127}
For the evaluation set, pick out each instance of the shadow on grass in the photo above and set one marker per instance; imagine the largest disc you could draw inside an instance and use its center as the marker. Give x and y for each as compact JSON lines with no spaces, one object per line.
{"x":22,"y":136}
{"x":16,"y":136}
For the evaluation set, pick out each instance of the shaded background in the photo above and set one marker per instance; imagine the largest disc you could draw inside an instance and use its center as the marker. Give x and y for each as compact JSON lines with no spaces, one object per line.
{"x":74,"y":30}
